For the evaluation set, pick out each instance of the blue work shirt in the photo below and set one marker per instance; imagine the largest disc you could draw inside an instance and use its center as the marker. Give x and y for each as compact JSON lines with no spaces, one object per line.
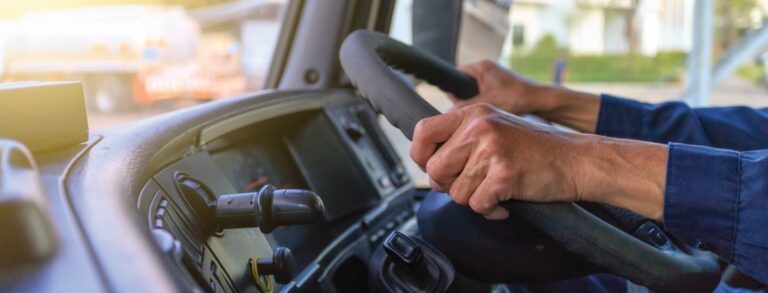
{"x":717,"y":173}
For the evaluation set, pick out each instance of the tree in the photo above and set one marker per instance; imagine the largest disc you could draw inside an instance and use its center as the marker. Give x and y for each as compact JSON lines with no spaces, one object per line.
{"x":732,"y":18}
{"x":630,"y":31}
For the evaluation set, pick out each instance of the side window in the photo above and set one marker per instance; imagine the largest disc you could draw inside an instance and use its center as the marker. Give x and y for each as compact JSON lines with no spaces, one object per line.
{"x":400,"y":27}
{"x":137,"y":60}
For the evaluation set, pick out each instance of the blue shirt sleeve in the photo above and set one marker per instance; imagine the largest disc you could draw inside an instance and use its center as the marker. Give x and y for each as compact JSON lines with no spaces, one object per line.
{"x":713,"y":194}
{"x":720,"y":197}
{"x":737,"y":128}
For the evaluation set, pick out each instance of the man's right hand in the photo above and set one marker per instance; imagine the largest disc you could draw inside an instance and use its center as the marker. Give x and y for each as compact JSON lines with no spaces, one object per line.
{"x":516,"y":94}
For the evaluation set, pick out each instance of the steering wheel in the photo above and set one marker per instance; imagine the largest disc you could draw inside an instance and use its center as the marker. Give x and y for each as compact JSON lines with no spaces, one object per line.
{"x":638,"y":255}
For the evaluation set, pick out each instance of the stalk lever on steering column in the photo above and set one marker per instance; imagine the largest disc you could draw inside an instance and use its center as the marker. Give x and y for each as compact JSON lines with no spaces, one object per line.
{"x":267,"y":209}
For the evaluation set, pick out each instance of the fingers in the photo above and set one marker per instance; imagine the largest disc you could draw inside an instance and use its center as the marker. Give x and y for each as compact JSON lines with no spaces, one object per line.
{"x":477,"y":69}
{"x":448,"y":162}
{"x":485,"y":201}
{"x":470,"y":178}
{"x":459,"y":132}
{"x":430,"y":132}
{"x":481,"y":72}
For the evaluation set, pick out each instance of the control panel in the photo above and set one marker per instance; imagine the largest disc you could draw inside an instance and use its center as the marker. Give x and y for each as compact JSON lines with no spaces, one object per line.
{"x":355,"y":121}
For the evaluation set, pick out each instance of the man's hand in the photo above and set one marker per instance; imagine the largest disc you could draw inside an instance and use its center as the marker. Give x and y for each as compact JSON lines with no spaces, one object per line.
{"x":488,"y":156}
{"x":504,"y":89}
{"x":481,"y":156}
{"x":518,"y":95}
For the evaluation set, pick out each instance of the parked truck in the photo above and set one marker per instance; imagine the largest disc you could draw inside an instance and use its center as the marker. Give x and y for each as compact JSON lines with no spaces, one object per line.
{"x":114,"y":50}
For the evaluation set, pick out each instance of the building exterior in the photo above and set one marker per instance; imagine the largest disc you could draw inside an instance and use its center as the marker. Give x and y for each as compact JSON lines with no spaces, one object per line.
{"x":593,"y":27}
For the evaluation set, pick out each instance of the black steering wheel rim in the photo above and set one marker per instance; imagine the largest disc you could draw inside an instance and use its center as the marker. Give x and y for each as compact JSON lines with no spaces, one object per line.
{"x":368,"y":58}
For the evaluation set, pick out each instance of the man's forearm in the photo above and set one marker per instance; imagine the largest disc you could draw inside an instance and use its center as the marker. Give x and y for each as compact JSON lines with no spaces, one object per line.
{"x":623,"y":173}
{"x":574,"y":109}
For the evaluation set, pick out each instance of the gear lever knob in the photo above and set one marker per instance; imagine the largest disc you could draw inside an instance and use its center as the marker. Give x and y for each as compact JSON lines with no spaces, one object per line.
{"x":402,"y":249}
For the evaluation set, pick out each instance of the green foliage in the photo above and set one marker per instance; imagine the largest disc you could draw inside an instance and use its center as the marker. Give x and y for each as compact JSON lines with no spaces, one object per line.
{"x":733,"y":18}
{"x":546,"y":47}
{"x":752,"y":72}
{"x":539,"y":62}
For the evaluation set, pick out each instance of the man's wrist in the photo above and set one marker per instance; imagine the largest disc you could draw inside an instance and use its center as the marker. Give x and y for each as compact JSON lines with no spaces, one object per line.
{"x":574,"y":109}
{"x":622,"y":173}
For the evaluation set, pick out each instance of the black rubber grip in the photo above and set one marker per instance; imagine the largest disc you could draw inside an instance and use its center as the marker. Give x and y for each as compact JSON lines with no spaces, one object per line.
{"x":391,"y":95}
{"x":429,"y":68}
{"x":363,"y":56}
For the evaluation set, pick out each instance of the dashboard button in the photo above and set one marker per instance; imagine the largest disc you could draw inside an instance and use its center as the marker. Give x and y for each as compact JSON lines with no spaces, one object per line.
{"x":213,"y":267}
{"x":160,"y":213}
{"x":657,"y":236}
{"x":167,"y":243}
{"x":384,"y":182}
{"x":354,"y":131}
{"x":381,"y":232}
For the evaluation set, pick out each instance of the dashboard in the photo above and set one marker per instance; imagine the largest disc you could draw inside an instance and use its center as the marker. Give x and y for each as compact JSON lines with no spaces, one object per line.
{"x":331,"y":146}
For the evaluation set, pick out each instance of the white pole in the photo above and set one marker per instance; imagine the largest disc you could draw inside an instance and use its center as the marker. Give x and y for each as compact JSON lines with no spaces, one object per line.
{"x":700,"y":58}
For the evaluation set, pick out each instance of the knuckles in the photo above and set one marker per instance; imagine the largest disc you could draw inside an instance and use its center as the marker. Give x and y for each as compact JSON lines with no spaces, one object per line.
{"x":480,"y":109}
{"x":482,"y":125}
{"x":486,"y":65}
{"x":421,"y":127}
{"x":434,"y":168}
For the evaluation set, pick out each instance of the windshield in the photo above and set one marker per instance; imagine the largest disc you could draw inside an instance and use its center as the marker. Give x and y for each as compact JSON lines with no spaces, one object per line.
{"x":642,"y":49}
{"x":137,"y":59}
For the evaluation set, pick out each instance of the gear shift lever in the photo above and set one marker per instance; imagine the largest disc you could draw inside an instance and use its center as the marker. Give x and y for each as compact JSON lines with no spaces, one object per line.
{"x":408,"y":264}
{"x":402,"y":249}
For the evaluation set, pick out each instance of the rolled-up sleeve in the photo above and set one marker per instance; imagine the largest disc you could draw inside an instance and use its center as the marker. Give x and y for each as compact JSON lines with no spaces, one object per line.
{"x":738,"y":128}
{"x":720,"y":197}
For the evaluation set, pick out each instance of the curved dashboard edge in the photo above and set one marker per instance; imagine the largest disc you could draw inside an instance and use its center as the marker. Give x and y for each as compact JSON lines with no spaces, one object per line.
{"x":238,"y":121}
{"x":103,"y":185}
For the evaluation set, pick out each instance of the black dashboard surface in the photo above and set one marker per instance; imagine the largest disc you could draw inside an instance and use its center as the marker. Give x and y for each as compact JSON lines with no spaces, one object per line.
{"x":336,"y":150}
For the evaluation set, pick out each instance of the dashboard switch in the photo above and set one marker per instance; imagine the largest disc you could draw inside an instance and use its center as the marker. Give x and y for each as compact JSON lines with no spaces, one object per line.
{"x":280,"y":265}
{"x":657,"y":236}
{"x":167,"y":243}
{"x":354,"y":131}
{"x":269,"y":208}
